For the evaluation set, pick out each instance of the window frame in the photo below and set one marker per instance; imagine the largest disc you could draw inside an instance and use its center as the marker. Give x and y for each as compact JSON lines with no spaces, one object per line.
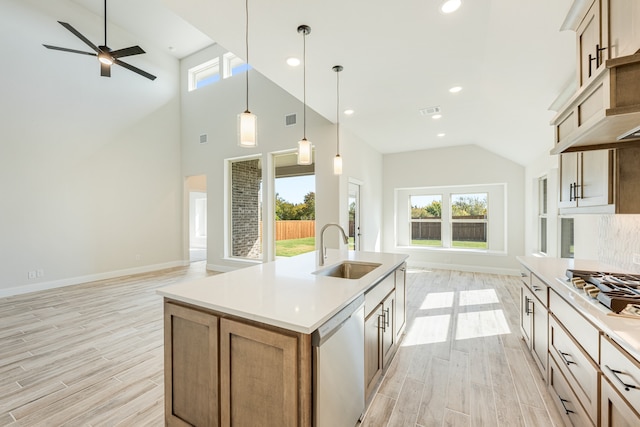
{"x":497,"y":232}
{"x":434,"y":220}
{"x":543,"y":202}
{"x":200,"y":69}
{"x":484,"y":220}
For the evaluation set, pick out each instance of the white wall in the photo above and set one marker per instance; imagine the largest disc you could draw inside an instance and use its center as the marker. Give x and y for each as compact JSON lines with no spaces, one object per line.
{"x":213,"y":110}
{"x":461,"y":165}
{"x":89,"y":166}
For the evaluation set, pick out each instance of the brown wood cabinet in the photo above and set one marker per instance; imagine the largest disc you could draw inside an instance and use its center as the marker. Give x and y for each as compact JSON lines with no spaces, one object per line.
{"x":565,"y":399}
{"x":586,"y":180}
{"x":591,"y":43}
{"x":534,"y":318}
{"x":400,"y":317}
{"x":262,"y":373}
{"x":615,"y":411}
{"x":372,"y":354}
{"x":387,"y":329}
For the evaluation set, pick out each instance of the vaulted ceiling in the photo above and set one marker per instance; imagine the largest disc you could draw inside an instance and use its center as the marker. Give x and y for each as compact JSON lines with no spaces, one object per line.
{"x":509,"y":57}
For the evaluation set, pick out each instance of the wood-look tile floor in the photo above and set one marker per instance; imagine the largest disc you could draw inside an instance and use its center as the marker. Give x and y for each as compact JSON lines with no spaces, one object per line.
{"x":92,"y":355}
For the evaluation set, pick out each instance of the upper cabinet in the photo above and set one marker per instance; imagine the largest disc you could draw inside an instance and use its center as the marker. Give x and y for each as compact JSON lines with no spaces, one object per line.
{"x":605,"y":110}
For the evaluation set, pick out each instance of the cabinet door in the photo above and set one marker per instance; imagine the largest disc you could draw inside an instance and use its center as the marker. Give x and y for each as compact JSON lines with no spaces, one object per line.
{"x":258,"y":376}
{"x":568,"y":180}
{"x":190,"y":367}
{"x":539,"y":341}
{"x":624,"y":27}
{"x":589,"y":38}
{"x":526,"y":314}
{"x":596,"y":183}
{"x":401,"y":299}
{"x":372,"y":350}
{"x":615,"y":411}
{"x":387,"y":325}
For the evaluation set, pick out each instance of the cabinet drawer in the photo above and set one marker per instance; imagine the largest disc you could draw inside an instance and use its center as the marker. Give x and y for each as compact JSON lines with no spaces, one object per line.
{"x":564,"y":398}
{"x":540,"y":290}
{"x":583,"y":331}
{"x":578,"y":368}
{"x":616,"y":411}
{"x":620,"y":368}
{"x":374,"y":296}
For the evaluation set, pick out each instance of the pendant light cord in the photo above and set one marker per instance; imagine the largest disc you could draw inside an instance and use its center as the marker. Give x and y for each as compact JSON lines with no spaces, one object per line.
{"x":338,"y":113}
{"x":304,"y":84}
{"x":246,"y":40}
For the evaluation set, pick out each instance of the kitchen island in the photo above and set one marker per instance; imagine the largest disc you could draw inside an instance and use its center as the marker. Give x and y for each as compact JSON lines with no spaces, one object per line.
{"x":238,"y":346}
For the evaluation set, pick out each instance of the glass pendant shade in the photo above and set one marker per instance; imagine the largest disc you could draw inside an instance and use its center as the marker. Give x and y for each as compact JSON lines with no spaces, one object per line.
{"x":304,"y":152}
{"x":247,"y":130}
{"x":337,"y":165}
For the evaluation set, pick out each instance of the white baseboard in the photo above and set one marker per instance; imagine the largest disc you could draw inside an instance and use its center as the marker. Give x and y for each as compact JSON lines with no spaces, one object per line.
{"x":464,"y":267}
{"x":42,"y":286}
{"x":220,"y":268}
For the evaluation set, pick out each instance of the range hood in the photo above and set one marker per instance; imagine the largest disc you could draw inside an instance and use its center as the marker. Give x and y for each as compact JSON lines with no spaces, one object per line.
{"x":605,"y":113}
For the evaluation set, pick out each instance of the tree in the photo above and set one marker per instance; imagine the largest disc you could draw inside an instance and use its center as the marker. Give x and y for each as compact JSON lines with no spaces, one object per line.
{"x":287,"y":211}
{"x":469,"y":206}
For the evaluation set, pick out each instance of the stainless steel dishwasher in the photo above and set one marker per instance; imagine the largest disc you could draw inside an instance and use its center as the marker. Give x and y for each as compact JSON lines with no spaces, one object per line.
{"x":338,"y":368}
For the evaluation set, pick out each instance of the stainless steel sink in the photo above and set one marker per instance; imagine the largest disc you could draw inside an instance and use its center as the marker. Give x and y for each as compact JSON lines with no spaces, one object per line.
{"x":348,"y":269}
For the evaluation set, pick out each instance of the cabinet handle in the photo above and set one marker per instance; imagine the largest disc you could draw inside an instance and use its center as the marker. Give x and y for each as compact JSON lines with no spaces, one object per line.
{"x":615,"y":374}
{"x":571,"y":198}
{"x":591,"y":59}
{"x":386,"y":318}
{"x":527,"y":300}
{"x":598,"y":57}
{"x":566,"y":411}
{"x":536,"y":288}
{"x":564,"y":358}
{"x":384,"y":328}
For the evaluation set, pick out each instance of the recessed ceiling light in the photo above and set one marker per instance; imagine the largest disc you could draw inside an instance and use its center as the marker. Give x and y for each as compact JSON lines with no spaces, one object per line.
{"x":455,"y":89}
{"x":436,"y":116}
{"x":450,"y":6}
{"x":293,"y":62}
{"x":349,"y":112}
{"x":441,"y":135}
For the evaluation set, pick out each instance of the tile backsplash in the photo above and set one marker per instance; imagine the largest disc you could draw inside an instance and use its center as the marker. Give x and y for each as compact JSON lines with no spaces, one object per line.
{"x":618,"y":240}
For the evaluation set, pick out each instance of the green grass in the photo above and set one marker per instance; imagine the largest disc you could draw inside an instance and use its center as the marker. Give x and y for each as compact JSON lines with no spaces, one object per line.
{"x":295,"y":247}
{"x":456,"y":244}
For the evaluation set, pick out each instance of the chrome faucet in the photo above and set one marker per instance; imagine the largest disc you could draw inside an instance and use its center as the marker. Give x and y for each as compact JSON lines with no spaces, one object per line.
{"x":323,"y":249}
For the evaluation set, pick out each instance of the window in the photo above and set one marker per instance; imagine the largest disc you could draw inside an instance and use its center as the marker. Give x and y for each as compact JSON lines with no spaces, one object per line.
{"x":470,"y":217}
{"x":566,"y":237}
{"x":232,"y":65}
{"x":542,"y":215}
{"x":209,"y":72}
{"x":204,"y":74}
{"x":426,"y":220}
{"x":469,"y":220}
{"x":246,"y":208}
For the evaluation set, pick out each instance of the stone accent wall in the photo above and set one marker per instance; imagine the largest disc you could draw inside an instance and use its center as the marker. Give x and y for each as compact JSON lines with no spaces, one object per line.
{"x":618,"y":240}
{"x":246,"y":177}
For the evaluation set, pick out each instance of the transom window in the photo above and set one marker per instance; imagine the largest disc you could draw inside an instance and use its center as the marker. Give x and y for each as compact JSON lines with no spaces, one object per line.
{"x":209,"y":72}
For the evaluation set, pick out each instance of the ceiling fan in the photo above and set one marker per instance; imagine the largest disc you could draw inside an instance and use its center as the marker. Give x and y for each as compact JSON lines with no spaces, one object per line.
{"x":106,"y":56}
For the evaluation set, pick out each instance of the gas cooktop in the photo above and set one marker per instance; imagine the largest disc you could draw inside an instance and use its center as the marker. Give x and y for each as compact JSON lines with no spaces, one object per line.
{"x":619,"y":292}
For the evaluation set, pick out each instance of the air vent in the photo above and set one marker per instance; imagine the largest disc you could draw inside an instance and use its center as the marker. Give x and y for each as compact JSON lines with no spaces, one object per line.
{"x":290,"y":119}
{"x":429,"y":111}
{"x":203,"y":138}
{"x":632,"y":134}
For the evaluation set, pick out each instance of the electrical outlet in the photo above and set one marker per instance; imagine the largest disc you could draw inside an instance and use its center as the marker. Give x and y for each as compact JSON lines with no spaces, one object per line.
{"x":39,"y":272}
{"x":31,"y":274}
{"x":636,"y":258}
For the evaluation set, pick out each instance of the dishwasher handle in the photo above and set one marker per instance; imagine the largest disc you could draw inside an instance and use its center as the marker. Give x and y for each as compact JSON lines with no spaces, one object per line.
{"x":331,"y":326}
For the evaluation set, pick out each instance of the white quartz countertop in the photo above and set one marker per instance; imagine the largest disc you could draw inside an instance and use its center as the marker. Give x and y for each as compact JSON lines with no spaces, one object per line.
{"x":285,"y":293}
{"x":624,"y":331}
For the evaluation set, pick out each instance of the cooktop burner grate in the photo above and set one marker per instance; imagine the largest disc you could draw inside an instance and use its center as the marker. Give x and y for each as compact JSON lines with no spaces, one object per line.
{"x":613,"y":290}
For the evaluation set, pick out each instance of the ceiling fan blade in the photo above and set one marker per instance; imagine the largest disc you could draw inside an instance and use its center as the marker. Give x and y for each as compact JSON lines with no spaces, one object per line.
{"x":127,"y":51}
{"x":105,"y":70}
{"x":80,"y":36}
{"x":134,"y":69}
{"x":64,"y":49}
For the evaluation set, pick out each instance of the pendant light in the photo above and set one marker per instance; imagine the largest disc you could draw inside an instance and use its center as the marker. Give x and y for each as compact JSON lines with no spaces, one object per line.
{"x":337,"y":160}
{"x":305,"y":156}
{"x":247,"y":122}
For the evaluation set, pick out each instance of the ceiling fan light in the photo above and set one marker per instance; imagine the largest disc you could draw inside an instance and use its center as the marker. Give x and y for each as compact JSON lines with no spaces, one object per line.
{"x":247,"y":130}
{"x":449,"y":6}
{"x":337,"y":165}
{"x":304,"y":152}
{"x":105,"y":59}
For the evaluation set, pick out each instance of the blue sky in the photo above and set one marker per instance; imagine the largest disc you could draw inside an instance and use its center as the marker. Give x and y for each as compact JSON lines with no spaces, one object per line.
{"x":293,"y":189}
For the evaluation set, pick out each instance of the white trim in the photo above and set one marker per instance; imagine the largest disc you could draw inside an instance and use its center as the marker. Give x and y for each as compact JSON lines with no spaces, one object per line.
{"x":43,"y":286}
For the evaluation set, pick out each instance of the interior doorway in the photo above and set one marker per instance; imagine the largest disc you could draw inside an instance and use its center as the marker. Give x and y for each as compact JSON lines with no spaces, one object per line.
{"x":354,"y":216}
{"x":197,"y":190}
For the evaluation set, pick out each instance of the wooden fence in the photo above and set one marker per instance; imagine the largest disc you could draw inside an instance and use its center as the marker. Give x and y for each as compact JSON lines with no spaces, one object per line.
{"x":298,"y":229}
{"x":469,"y":232}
